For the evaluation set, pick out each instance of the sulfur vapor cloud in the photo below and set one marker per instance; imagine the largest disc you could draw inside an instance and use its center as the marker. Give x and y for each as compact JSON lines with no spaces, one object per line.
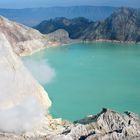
{"x":41,"y":70}
{"x":21,"y":118}
{"x":23,"y":103}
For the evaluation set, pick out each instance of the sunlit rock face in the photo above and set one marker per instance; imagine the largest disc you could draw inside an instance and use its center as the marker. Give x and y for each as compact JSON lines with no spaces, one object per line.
{"x":20,"y":95}
{"x":59,"y":36}
{"x":25,"y":40}
{"x":107,"y":125}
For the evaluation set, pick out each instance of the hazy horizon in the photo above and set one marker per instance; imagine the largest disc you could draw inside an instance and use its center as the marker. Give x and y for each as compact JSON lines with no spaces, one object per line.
{"x":16,"y":4}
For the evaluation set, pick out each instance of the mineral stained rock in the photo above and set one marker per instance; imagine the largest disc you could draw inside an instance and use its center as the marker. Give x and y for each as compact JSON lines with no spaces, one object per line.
{"x":25,"y":40}
{"x":107,"y":125}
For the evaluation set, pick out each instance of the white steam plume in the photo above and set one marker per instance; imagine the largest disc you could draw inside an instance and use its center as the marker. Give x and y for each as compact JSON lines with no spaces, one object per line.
{"x":41,"y":70}
{"x":23,"y":101}
{"x":22,"y":117}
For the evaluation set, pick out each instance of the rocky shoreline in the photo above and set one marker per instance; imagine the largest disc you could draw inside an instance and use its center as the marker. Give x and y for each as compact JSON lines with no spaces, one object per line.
{"x":110,"y":41}
{"x":107,"y":125}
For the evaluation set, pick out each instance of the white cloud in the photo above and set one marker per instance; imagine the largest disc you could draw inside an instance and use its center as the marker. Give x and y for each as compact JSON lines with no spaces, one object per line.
{"x":22,"y":117}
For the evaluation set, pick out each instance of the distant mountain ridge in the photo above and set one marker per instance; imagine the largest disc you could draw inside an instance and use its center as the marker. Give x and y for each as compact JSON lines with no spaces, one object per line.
{"x":74,"y":26}
{"x":122,"y":25}
{"x":33,"y":16}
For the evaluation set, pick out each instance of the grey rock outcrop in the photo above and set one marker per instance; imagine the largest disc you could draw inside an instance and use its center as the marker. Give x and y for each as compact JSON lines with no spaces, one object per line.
{"x":59,"y":36}
{"x":107,"y":125}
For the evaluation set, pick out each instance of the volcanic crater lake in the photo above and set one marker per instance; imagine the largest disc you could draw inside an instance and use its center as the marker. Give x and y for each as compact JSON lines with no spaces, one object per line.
{"x":90,"y":76}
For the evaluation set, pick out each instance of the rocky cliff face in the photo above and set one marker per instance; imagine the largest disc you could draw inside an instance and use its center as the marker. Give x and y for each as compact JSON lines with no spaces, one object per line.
{"x":123,"y":25}
{"x":106,"y":125}
{"x":25,"y":40}
{"x":22,"y":38}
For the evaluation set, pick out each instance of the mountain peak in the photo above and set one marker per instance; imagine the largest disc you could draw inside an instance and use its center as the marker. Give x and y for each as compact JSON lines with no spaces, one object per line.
{"x":122,"y":25}
{"x":125,"y":10}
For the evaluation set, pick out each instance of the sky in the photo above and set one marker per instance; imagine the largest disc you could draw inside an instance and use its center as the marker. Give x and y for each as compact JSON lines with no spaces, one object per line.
{"x":50,"y":3}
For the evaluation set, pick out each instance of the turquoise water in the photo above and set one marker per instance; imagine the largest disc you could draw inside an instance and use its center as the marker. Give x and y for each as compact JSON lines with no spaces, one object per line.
{"x":91,"y":76}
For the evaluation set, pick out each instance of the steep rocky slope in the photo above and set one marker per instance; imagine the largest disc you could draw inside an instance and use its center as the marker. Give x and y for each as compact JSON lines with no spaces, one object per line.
{"x":24,"y":103}
{"x":18,"y":35}
{"x":25,"y":40}
{"x":22,"y":83}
